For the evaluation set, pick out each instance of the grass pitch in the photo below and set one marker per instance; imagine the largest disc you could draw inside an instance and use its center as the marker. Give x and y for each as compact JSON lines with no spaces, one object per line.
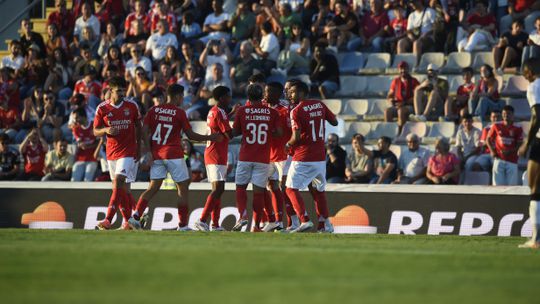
{"x":169,"y":267}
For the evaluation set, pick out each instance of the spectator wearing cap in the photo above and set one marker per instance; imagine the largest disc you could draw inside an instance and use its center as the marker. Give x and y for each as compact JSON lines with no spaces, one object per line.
{"x":216,"y":25}
{"x":371,"y":31}
{"x":336,"y":159}
{"x":480,"y":27}
{"x":457,"y":106}
{"x":430,"y":95}
{"x":400,"y":96}
{"x":508,"y":52}
{"x":85,"y":164}
{"x":9,"y":160}
{"x":14,"y":60}
{"x":412,"y":163}
{"x":89,"y":87}
{"x":419,"y":30}
{"x":29,"y":37}
{"x":468,"y":143}
{"x":485,"y":97}
{"x":443,"y":167}
{"x":324,"y":71}
{"x":157,"y":43}
{"x":138,"y":60}
{"x":58,"y":163}
{"x":359,"y":168}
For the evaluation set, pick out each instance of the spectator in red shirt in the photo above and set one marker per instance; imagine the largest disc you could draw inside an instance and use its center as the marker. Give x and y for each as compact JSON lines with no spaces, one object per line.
{"x":372,"y":25}
{"x":33,"y":149}
{"x":10,"y":121}
{"x":163,"y":13}
{"x":457,"y":106}
{"x":503,"y":141}
{"x":443,"y":167}
{"x":138,"y":14}
{"x":526,"y":10}
{"x":400,"y":96}
{"x":89,"y":87}
{"x":64,"y":19}
{"x":485,"y":161}
{"x":85,"y":164}
{"x":395,"y":30}
{"x":481,"y":30}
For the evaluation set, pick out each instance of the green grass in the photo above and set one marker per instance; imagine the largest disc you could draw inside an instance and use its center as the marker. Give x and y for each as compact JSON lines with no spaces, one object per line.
{"x":170,"y":267}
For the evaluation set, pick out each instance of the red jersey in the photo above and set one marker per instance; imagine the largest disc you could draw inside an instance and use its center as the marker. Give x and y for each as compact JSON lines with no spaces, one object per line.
{"x":34,"y":159}
{"x":308,"y":117}
{"x":483,"y":138}
{"x":171,"y":21}
{"x":124,"y":117}
{"x":399,"y":27}
{"x":485,"y":20}
{"x":8,"y":117}
{"x":87,"y":89}
{"x":84,"y":135}
{"x":403,"y":90}
{"x":255,"y":123}
{"x":130,"y":30}
{"x":277,"y":144}
{"x":166,"y":123}
{"x":465,"y":89}
{"x":218,"y":122}
{"x":65,"y":23}
{"x":507,"y":138}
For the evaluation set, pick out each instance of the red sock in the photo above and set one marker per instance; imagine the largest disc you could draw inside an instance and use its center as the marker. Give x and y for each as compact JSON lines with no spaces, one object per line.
{"x":298,"y":204}
{"x":258,"y":204}
{"x":277,"y":203}
{"x":288,"y":205}
{"x":141,"y":206}
{"x":208,"y":207}
{"x":320,"y":203}
{"x":125,"y":206}
{"x":113,"y":205}
{"x":241,"y":201}
{"x":216,"y":212}
{"x":182,"y":215}
{"x":268,"y":208}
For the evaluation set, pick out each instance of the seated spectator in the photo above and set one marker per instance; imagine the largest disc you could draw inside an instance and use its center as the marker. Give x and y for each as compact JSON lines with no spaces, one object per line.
{"x":217,"y":79}
{"x":55,"y":40}
{"x":430,"y":96}
{"x":32,"y":107}
{"x":508,"y":53}
{"x":172,"y":59}
{"x":287,"y":17}
{"x":10,"y":121}
{"x":163,"y":77}
{"x":139,"y":88}
{"x":9,"y":88}
{"x":77,"y":102}
{"x":9,"y":160}
{"x":216,"y":51}
{"x":157,"y":43}
{"x":89,"y":87}
{"x":336,"y":158}
{"x":29,"y":37}
{"x":324,"y":71}
{"x":532,"y":49}
{"x":480,"y":27}
{"x":216,"y":24}
{"x":162,"y":14}
{"x":232,"y":162}
{"x":60,"y":75}
{"x":188,"y":58}
{"x":87,"y":59}
{"x":87,"y":19}
{"x":135,"y":38}
{"x":419,"y":36}
{"x":58,"y":163}
{"x":321,"y":19}
{"x":359,"y":165}
{"x":33,"y":150}
{"x":443,"y":167}
{"x":395,"y":30}
{"x":294,"y":58}
{"x":347,"y":24}
{"x":113,"y":57}
{"x":242,"y":23}
{"x":400,"y":96}
{"x":372,"y":25}
{"x":109,"y":39}
{"x":484,"y":161}
{"x":503,"y":141}
{"x":191,"y":82}
{"x":14,"y":60}
{"x":138,"y":60}
{"x":62,"y":18}
{"x":244,"y":67}
{"x":139,"y":14}
{"x":485,"y":97}
{"x":526,"y":10}
{"x":468,"y":143}
{"x":265,"y":11}
{"x":85,"y":164}
{"x":51,"y":118}
{"x":194,"y":161}
{"x":456,"y":107}
{"x":384,"y":162}
{"x":412,"y":163}
{"x":34,"y":71}
{"x":268,"y":48}
{"x":190,"y":29}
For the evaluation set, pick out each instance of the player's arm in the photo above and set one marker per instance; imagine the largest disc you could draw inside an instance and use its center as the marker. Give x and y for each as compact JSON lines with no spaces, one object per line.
{"x":100,"y":130}
{"x":295,"y":137}
{"x":489,"y":141}
{"x":386,"y":172}
{"x":535,"y":126}
{"x":199,"y":137}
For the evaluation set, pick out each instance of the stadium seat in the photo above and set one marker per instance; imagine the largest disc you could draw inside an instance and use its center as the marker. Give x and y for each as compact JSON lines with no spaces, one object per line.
{"x":454,"y":83}
{"x":477,"y":178}
{"x":378,"y":129}
{"x":378,"y":86}
{"x":482,"y":58}
{"x":350,"y":62}
{"x":525,"y":125}
{"x":410,"y":58}
{"x":418,"y":128}
{"x":376,"y":63}
{"x":339,"y":130}
{"x":376,"y":109}
{"x":334,"y":105}
{"x":396,"y":149}
{"x":429,"y":58}
{"x":522,"y":111}
{"x":439,"y":129}
{"x":456,"y":61}
{"x":351,"y":86}
{"x":302,"y":77}
{"x":354,"y":109}
{"x":516,"y":86}
{"x":352,"y":128}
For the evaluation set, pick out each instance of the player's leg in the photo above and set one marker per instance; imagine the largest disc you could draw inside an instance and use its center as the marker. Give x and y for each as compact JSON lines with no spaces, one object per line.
{"x":144,"y":199}
{"x":292,"y":218}
{"x":179,"y":172}
{"x":533,"y":171}
{"x":299,"y":178}
{"x":319,"y":196}
{"x":258,"y":206}
{"x":118,"y":195}
{"x":216,"y":175}
{"x":242,"y":179}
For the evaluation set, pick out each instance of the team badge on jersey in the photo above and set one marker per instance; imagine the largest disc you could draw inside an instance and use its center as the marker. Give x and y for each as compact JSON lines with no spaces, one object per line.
{"x":126,"y":112}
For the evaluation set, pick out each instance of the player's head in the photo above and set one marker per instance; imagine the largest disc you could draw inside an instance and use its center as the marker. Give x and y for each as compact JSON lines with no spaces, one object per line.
{"x":273,"y":92}
{"x":298,"y":92}
{"x":508,"y":114}
{"x":255,"y":93}
{"x":175,"y":94}
{"x":222,"y":95}
{"x":531,"y":69}
{"x":117,"y":87}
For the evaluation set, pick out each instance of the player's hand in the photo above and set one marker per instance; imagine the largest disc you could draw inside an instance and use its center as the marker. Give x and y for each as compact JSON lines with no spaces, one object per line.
{"x":522,"y":150}
{"x":112,"y":131}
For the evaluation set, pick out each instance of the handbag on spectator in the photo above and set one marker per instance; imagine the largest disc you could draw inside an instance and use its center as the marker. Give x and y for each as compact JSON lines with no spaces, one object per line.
{"x":417,"y":31}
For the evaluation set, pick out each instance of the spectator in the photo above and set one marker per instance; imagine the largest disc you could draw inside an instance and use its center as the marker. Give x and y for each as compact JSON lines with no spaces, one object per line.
{"x":484,"y":161}
{"x":268,"y":48}
{"x":139,"y":88}
{"x":468,"y":143}
{"x":55,"y":40}
{"x":457,"y":106}
{"x":242,"y":23}
{"x":324,"y":71}
{"x":503,"y":141}
{"x":58,"y":163}
{"x":87,"y":60}
{"x":295,"y":55}
{"x":485,"y":97}
{"x":110,"y":39}
{"x":9,"y":88}
{"x":322,"y":18}
{"x":216,"y":51}
{"x":532,"y":49}
{"x":137,"y":39}
{"x":244,"y":67}
{"x":346,"y":22}
{"x":163,"y":77}
{"x":9,"y":160}
{"x":15,"y":59}
{"x":286,"y":19}
{"x":232,"y":162}
{"x":412,"y":163}
{"x":430,"y":95}
{"x":138,"y":60}
{"x":162,"y":14}
{"x":217,"y":79}
{"x":443,"y":167}
{"x":63,"y":19}
{"x":384,"y":160}
{"x":86,"y":20}
{"x":139,"y":14}
{"x":89,"y":87}
{"x":194,"y":161}
{"x":508,"y":53}
{"x":60,"y":75}
{"x":190,"y":29}
{"x":33,"y":106}
{"x":526,"y":10}
{"x":336,"y":158}
{"x":172,"y":59}
{"x":359,"y":165}
{"x":372,"y":27}
{"x":10,"y":121}
{"x":89,"y":38}
{"x":85,"y":165}
{"x":51,"y":117}
{"x":395,"y":30}
{"x":265,"y":11}
{"x":192,"y":86}
{"x":189,"y":58}
{"x":480,"y":27}
{"x":113,"y":57}
{"x":400,"y":96}
{"x":419,"y":30}
{"x":29,"y":37}
{"x":33,"y":150}
{"x":157,"y":43}
{"x":34,"y":71}
{"x":216,"y":24}
{"x":78,"y":101}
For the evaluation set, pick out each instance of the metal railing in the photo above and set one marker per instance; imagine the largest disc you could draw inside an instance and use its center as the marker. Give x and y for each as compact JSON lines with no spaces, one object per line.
{"x":23,"y":12}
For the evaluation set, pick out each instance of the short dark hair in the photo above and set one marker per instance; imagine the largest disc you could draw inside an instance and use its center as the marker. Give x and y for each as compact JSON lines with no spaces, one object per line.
{"x":508,"y":108}
{"x":175,"y":90}
{"x":267,"y":27}
{"x":275,"y":85}
{"x":81,"y":112}
{"x":533,"y":64}
{"x":4,"y":138}
{"x":467,"y":70}
{"x":117,"y":82}
{"x":254,"y":92}
{"x":519,"y":22}
{"x":219,"y":92}
{"x":386,"y":139}
{"x":259,"y":77}
{"x":466,"y":117}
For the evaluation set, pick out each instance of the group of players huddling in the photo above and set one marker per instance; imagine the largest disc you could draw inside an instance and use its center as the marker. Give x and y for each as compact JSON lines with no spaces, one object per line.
{"x":282,"y":149}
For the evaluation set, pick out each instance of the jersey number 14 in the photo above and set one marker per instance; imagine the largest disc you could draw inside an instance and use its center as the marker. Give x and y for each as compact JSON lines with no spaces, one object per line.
{"x":314,"y":132}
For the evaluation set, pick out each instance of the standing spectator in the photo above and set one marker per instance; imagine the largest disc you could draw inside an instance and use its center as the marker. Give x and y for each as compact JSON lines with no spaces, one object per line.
{"x":400,"y":96}
{"x":216,"y":24}
{"x":9,"y":160}
{"x":508,"y":53}
{"x":359,"y":165}
{"x":372,"y":27}
{"x":15,"y":59}
{"x":58,"y":163}
{"x":443,"y":167}
{"x":503,"y":141}
{"x":485,"y":97}
{"x":468,"y":143}
{"x":157,"y":43}
{"x":430,"y":95}
{"x":324,"y":71}
{"x":62,"y":18}
{"x":457,"y":106}
{"x":412,"y":163}
{"x":85,"y":164}
{"x":480,"y":27}
{"x":33,"y":150}
{"x":484,"y":161}
{"x":29,"y":37}
{"x":86,"y":20}
{"x":419,"y":30}
{"x":243,"y":68}
{"x":346,"y":22}
{"x":336,"y":158}
{"x":138,"y":60}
